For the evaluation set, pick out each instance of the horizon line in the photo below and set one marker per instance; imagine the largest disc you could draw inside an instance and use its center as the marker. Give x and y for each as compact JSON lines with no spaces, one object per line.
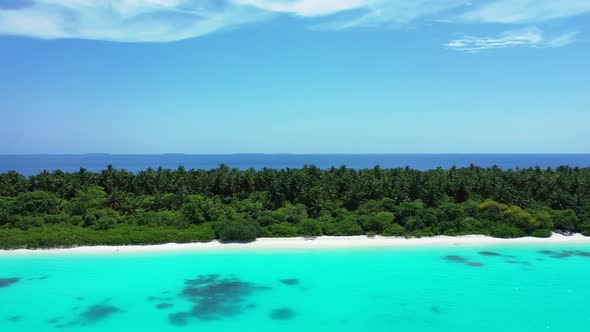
{"x":293,"y":154}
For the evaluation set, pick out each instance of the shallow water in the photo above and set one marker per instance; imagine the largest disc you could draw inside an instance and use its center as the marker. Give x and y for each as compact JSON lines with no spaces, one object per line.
{"x":526,"y":288}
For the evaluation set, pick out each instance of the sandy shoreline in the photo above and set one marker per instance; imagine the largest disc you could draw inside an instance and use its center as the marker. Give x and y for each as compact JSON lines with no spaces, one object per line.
{"x":325,"y":242}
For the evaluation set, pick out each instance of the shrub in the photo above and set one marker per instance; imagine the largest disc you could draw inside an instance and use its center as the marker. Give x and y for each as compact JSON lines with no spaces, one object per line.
{"x":283,"y":229}
{"x":160,"y":218}
{"x":267,"y":218}
{"x":35,"y":203}
{"x":104,"y":222}
{"x":450,"y":212}
{"x":56,"y":218}
{"x":544,"y":217}
{"x":168,"y":201}
{"x":12,"y":184}
{"x":291,"y":213}
{"x":310,"y":228}
{"x":200,"y":209}
{"x":91,"y":198}
{"x":370,"y":207}
{"x":408,"y":209}
{"x":585,"y":226}
{"x":414,"y":223}
{"x":376,"y":222}
{"x":565,"y":220}
{"x":506,"y":231}
{"x":371,"y":234}
{"x":541,"y":233}
{"x":467,"y":224}
{"x":426,"y":232}
{"x":68,"y":236}
{"x":237,"y":230}
{"x":4,"y":211}
{"x":27,"y":222}
{"x":388,"y":204}
{"x":248,"y":207}
{"x":393,"y":230}
{"x":471,"y":208}
{"x":101,"y":219}
{"x":346,"y":227}
{"x":491,"y":210}
{"x":519,"y":218}
{"x":76,"y":221}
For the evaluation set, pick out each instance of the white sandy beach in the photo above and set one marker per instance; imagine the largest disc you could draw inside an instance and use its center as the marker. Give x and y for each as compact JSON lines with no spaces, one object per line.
{"x":325,"y":242}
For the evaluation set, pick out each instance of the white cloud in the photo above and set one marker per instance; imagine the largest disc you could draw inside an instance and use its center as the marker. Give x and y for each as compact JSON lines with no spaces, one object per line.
{"x":307,"y":8}
{"x":562,"y":40}
{"x":125,"y":20}
{"x":171,"y":20}
{"x":526,"y":11}
{"x":529,"y":37}
{"x":41,"y":24}
{"x":394,"y":13}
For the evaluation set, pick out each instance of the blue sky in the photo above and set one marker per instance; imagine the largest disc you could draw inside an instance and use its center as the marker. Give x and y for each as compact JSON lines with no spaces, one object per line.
{"x":301,"y":76}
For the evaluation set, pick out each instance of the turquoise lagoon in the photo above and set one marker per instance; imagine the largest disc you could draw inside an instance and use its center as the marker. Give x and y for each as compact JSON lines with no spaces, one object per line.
{"x":509,"y":288}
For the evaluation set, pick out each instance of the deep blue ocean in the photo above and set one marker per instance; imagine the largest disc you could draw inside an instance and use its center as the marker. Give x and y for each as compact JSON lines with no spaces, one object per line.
{"x":33,"y":164}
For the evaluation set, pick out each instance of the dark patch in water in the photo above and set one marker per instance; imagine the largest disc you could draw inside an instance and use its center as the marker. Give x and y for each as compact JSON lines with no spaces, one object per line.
{"x":462,"y":260}
{"x":37,"y":278}
{"x":97,"y":313}
{"x":79,"y":298}
{"x":214,"y":297}
{"x":490,"y":253}
{"x":14,"y":319}
{"x":92,"y":315}
{"x":565,"y":253}
{"x":159,"y":299}
{"x":435,"y":309}
{"x":55,"y":320}
{"x":456,"y":259}
{"x":290,"y":282}
{"x":282,"y":314}
{"x":179,"y":318}
{"x":512,"y":261}
{"x":5,"y":282}
{"x":164,"y":305}
{"x":204,"y":280}
{"x":475,"y":264}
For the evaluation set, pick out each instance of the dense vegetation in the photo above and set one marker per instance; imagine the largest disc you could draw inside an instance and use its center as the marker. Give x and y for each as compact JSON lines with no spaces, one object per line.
{"x":54,"y":209}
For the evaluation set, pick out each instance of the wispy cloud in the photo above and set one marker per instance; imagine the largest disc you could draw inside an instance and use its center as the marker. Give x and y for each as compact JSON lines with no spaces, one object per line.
{"x":308,"y":8}
{"x":562,"y":40}
{"x":171,"y":20}
{"x":395,"y":13}
{"x":525,"y":11}
{"x":125,"y":20}
{"x":529,"y":37}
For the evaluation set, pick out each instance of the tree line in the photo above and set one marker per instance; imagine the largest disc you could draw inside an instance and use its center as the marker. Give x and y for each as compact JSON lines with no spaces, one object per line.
{"x":115,"y":206}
